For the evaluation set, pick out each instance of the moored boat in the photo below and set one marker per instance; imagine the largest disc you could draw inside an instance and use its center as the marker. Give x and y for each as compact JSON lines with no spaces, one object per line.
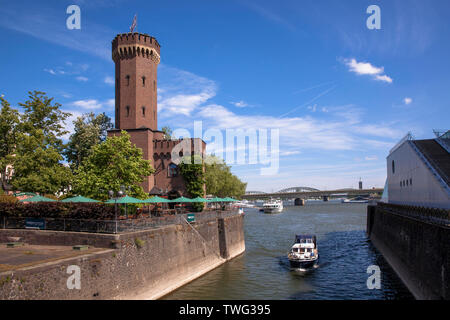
{"x":273,"y":206}
{"x":304,"y":253}
{"x":356,"y":200}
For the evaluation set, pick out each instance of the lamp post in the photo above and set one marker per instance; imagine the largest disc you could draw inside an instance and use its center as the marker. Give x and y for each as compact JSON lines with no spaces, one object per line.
{"x":111,"y":195}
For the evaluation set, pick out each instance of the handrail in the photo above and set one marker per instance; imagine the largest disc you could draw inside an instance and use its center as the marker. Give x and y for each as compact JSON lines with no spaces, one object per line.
{"x":408,"y":137}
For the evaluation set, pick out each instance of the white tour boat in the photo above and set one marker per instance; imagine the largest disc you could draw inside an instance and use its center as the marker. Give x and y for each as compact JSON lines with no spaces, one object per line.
{"x":273,"y":206}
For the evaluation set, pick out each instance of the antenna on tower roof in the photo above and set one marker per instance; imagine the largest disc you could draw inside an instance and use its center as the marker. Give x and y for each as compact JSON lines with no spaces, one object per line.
{"x":133,"y":24}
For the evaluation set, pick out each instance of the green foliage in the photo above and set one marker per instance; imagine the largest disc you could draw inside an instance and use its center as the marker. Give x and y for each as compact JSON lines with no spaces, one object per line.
{"x":38,"y":167}
{"x":8,"y":199}
{"x":220,"y":181}
{"x":193,"y":175}
{"x":114,"y":163}
{"x":139,"y":243}
{"x":167,"y":132}
{"x":57,"y":210}
{"x":33,"y":145}
{"x":89,"y":130}
{"x":9,"y":131}
{"x":40,"y":113}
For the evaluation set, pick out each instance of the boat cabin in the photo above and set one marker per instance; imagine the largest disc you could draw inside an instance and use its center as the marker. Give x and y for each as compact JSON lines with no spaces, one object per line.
{"x":306,"y":241}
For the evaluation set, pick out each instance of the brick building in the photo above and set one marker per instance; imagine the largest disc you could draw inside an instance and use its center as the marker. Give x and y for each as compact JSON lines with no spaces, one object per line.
{"x":136,"y":57}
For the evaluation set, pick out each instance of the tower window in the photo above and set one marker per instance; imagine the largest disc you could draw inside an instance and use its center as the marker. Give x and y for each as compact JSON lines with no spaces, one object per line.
{"x":393,"y":166}
{"x":154,"y":85}
{"x":143,"y":81}
{"x":143,"y":111}
{"x":128,"y":111}
{"x":128,"y":79}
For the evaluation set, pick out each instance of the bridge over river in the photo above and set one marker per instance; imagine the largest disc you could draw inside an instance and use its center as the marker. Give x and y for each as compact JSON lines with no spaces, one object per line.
{"x":308,"y":193}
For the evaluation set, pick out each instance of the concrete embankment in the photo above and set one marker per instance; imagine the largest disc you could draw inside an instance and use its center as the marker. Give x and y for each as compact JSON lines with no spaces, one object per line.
{"x":416,"y":244}
{"x":144,"y":264}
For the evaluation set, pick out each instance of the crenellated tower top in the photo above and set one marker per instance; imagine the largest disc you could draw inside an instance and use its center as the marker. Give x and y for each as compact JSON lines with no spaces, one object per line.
{"x":131,"y":44}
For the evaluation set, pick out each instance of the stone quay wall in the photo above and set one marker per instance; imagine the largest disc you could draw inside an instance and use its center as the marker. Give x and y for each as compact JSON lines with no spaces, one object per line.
{"x":146,"y":264}
{"x":416,"y":244}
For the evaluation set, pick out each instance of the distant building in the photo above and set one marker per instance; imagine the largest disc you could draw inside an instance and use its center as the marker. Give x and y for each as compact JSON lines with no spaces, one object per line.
{"x":136,"y":57}
{"x":360,"y":184}
{"x":418,"y":172}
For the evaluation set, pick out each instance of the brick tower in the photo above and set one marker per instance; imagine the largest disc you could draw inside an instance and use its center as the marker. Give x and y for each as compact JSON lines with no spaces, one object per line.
{"x":136,"y":57}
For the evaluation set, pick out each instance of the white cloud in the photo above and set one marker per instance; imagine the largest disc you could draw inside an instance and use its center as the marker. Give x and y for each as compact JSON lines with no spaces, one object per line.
{"x":82,"y":79}
{"x":366,"y":68}
{"x":182,"y":92}
{"x":407,"y":101}
{"x":240,"y":104}
{"x":371,"y":158}
{"x":109,"y":80}
{"x":289,"y":153}
{"x":313,"y":108}
{"x":110,"y":103}
{"x":90,"y":104}
{"x":305,"y":133}
{"x":93,"y":104}
{"x":384,"y":78}
{"x":69,"y":126}
{"x":51,"y":71}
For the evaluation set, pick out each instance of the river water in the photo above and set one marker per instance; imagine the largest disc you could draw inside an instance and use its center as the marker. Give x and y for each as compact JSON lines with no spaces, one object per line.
{"x":263,"y":272}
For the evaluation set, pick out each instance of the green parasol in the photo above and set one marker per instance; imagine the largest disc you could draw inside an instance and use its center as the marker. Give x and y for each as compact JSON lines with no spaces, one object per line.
{"x":37,"y":199}
{"x":156,"y":200}
{"x":199,"y":199}
{"x":126,"y":199}
{"x":79,"y":199}
{"x":181,"y":199}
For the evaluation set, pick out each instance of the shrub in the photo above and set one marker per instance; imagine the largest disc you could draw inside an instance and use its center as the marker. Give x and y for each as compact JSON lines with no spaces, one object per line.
{"x":8,"y":199}
{"x":57,"y":210}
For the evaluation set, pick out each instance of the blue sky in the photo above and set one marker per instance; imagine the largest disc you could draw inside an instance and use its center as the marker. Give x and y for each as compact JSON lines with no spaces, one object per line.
{"x":340,"y":94}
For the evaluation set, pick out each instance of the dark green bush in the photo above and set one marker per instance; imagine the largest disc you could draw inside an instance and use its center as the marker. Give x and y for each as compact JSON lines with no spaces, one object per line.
{"x":57,"y":210}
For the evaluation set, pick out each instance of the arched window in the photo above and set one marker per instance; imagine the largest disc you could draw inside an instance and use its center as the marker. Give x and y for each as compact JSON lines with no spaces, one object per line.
{"x":143,"y":81}
{"x":128,"y":79}
{"x":172,"y":170}
{"x":154,"y":85}
{"x":393,"y":166}
{"x":128,"y":110}
{"x":143,"y":111}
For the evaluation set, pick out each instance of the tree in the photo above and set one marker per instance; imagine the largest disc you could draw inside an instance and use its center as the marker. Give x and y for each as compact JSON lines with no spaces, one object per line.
{"x":37,"y":160}
{"x":220,"y":181}
{"x":194,"y":179}
{"x":90,"y":130}
{"x":9,"y":123}
{"x":114,"y":163}
{"x":167,"y":132}
{"x":38,"y":167}
{"x":41,"y":114}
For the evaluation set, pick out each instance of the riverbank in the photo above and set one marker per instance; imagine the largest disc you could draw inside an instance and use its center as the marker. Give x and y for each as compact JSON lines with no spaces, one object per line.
{"x":146,"y":264}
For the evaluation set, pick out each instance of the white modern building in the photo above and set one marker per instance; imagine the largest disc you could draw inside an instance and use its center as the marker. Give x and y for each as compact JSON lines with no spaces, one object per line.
{"x":418,"y":172}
